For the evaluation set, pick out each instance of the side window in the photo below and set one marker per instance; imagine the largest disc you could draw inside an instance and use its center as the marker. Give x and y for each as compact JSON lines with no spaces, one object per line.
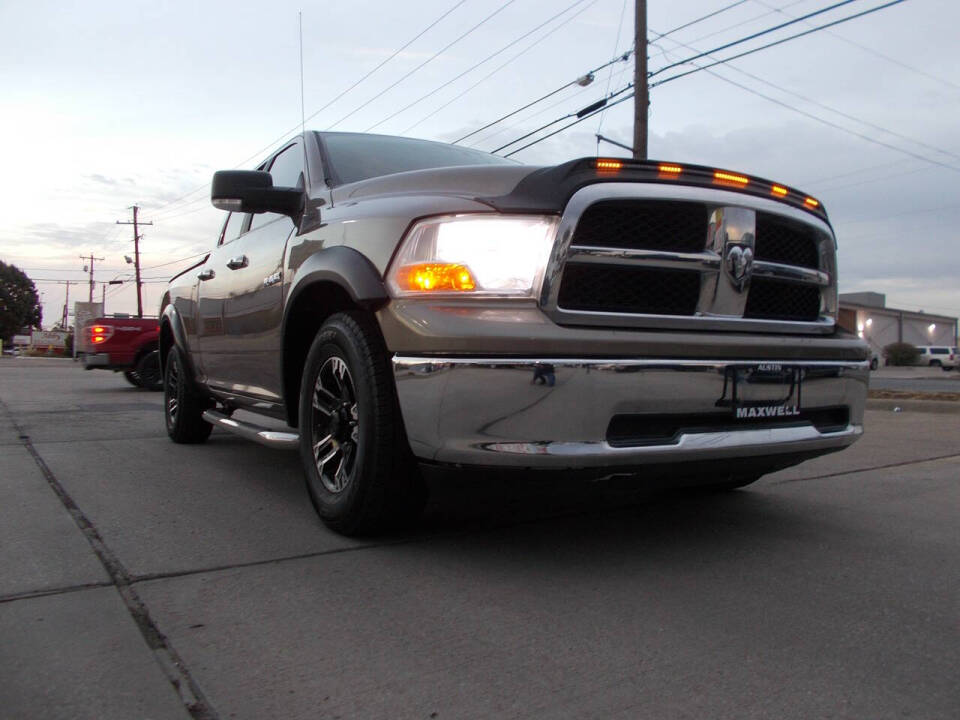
{"x":287,"y":171}
{"x":231,"y":228}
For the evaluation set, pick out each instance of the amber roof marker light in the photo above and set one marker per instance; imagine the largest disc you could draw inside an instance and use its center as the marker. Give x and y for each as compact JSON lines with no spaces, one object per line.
{"x":668,"y":170}
{"x":779,"y":190}
{"x":719,"y":176}
{"x":609,"y":165}
{"x":810,"y":202}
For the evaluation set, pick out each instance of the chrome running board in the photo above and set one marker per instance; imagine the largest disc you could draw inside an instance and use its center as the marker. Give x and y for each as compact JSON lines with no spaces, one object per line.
{"x":271,"y":438}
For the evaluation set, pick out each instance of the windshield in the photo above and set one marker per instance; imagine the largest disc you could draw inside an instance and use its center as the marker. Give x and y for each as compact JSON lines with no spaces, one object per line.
{"x":357,"y":156}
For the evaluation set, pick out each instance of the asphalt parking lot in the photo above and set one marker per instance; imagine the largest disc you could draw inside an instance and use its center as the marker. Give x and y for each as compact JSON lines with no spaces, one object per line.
{"x":143,"y":579}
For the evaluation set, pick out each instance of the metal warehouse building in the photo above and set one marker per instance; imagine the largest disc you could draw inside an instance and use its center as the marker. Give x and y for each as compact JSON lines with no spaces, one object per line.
{"x":867,"y":314}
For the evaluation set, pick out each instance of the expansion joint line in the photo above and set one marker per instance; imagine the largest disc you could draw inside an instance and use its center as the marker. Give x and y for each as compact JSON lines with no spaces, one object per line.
{"x":166,"y":656}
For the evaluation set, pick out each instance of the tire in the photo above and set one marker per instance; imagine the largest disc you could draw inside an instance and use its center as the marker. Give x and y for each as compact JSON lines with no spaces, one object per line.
{"x":148,"y":371}
{"x":360,"y":473}
{"x":874,"y":363}
{"x":936,"y":363}
{"x":132,"y":378}
{"x":183,"y":404}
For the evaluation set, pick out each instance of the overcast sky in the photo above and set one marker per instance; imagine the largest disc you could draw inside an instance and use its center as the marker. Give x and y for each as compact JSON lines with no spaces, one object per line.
{"x":107,"y":104}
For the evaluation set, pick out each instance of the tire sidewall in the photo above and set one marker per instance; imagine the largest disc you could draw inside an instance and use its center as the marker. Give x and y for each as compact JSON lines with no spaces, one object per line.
{"x":333,"y":341}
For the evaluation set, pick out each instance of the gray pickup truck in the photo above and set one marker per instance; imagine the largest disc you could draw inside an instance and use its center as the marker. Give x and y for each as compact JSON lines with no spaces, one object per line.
{"x":396,"y":302}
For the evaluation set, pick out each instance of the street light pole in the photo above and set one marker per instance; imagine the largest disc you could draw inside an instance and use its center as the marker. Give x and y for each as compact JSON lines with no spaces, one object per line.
{"x":136,"y":254}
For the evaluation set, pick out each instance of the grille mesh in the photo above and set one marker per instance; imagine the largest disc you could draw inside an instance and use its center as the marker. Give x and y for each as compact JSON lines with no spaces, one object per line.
{"x":778,"y":300}
{"x":644,"y":225}
{"x":786,"y":241}
{"x":611,"y":288}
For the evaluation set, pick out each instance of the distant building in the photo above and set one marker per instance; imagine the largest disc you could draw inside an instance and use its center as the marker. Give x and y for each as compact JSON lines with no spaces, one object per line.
{"x":867,"y":314}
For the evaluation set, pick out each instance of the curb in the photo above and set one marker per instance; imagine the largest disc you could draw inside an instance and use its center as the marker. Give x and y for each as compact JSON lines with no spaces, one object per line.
{"x":925,"y":406}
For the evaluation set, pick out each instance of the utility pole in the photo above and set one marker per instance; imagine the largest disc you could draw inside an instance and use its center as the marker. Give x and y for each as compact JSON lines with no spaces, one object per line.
{"x":136,"y":254}
{"x":91,"y":258}
{"x":66,"y":305}
{"x":641,"y":90}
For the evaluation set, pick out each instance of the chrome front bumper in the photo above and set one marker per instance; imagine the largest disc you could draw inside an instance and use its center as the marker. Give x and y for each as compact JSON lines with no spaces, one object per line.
{"x":555,"y":413}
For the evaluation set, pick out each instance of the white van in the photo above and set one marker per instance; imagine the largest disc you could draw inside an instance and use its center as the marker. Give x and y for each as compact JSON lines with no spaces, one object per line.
{"x":937,"y":356}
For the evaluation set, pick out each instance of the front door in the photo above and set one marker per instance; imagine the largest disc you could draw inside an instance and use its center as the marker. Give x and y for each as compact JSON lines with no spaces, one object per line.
{"x":247,"y":358}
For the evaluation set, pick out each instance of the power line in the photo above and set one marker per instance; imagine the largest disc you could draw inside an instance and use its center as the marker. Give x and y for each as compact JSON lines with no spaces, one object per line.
{"x":699,"y":19}
{"x":827,"y":107}
{"x":830,"y":123}
{"x":755,"y":35}
{"x":818,"y":28}
{"x":870,"y":50}
{"x":527,"y":118}
{"x":475,"y":66}
{"x":355,"y":84}
{"x":282,"y":137}
{"x":583,"y":80}
{"x":425,"y":62}
{"x":739,"y":24}
{"x":588,"y":111}
{"x":616,"y":47}
{"x":502,"y":66}
{"x":569,"y":125}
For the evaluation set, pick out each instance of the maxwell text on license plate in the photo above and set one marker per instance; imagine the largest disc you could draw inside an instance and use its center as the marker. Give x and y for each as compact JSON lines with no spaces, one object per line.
{"x":765,"y":390}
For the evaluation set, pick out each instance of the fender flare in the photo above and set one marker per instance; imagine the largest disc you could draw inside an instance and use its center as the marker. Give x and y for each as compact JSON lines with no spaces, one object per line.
{"x":342,"y":266}
{"x":171,"y":318}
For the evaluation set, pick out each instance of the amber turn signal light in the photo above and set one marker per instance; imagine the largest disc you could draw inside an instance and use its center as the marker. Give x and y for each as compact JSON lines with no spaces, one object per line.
{"x":436,"y":277}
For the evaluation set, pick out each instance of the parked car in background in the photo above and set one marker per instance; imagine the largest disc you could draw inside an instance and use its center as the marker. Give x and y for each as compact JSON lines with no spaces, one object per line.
{"x":127,"y":345}
{"x":941,"y":356}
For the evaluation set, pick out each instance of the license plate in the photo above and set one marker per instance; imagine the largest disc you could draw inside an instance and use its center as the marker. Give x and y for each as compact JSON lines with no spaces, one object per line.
{"x":764,"y":390}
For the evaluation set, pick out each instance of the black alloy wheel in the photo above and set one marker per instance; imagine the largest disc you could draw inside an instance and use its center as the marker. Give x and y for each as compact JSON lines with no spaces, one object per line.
{"x":359,"y":471}
{"x":335,"y":425}
{"x":183,"y":404}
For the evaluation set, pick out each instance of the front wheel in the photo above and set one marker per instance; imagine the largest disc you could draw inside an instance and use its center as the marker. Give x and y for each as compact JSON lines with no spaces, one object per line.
{"x":359,"y":470}
{"x":183,"y":404}
{"x":132,"y":378}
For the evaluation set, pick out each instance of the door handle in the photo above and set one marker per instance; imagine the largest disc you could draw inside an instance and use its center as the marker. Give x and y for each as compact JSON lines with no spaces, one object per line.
{"x":207,"y":275}
{"x":237,"y":262}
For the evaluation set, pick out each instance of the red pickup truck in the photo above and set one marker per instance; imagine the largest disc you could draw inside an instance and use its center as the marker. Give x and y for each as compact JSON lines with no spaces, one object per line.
{"x":127,"y":345}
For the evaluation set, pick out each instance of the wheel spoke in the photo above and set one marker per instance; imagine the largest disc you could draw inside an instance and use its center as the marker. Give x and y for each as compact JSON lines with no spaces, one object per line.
{"x":324,"y":450}
{"x":324,"y":400}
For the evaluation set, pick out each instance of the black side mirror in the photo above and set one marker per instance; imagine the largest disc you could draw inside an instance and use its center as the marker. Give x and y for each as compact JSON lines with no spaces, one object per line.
{"x":252,"y":191}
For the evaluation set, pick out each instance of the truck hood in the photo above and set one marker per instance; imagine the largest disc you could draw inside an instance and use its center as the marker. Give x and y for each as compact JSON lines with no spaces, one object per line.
{"x":471,"y":181}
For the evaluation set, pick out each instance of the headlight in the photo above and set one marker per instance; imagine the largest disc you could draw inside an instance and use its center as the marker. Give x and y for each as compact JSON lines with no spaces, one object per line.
{"x":488,"y":255}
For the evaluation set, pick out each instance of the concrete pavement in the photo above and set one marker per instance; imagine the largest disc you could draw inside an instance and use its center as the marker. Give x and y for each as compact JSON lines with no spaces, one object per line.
{"x":145,"y":579}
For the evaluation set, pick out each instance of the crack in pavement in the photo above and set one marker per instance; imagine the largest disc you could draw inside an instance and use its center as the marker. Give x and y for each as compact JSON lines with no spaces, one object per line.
{"x":166,"y":656}
{"x":29,"y":594}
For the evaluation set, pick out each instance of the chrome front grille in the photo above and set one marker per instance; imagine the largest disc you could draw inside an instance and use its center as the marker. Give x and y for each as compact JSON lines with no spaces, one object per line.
{"x":655,"y":256}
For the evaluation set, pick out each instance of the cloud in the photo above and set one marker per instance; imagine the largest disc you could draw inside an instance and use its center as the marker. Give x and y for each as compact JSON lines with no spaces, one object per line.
{"x":97,"y":178}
